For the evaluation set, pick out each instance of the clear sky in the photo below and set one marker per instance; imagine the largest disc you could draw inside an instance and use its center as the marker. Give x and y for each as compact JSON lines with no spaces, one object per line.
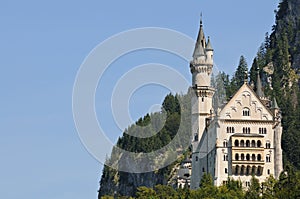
{"x":42,"y":45}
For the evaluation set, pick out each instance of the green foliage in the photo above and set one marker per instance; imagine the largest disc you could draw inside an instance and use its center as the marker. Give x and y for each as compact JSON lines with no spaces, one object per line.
{"x":254,"y":190}
{"x":145,"y":193}
{"x":239,"y":76}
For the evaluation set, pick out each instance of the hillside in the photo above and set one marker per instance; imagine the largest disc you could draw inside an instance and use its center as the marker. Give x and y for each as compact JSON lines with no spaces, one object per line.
{"x":278,"y":61}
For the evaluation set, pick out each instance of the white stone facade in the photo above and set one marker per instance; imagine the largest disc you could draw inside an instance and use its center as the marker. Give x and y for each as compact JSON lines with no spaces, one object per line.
{"x":241,"y":139}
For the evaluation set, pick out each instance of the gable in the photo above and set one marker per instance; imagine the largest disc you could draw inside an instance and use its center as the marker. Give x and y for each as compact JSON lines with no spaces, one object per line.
{"x":245,"y":105}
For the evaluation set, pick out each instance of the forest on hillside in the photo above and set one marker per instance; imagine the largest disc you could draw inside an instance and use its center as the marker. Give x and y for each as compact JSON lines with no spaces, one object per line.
{"x":278,"y":63}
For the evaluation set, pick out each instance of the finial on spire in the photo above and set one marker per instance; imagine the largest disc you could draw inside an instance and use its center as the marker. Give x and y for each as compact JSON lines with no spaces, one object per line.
{"x":201,"y":19}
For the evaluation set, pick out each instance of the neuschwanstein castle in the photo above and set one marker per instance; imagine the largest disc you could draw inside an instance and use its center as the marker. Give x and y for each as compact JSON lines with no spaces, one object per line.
{"x":240,"y":139}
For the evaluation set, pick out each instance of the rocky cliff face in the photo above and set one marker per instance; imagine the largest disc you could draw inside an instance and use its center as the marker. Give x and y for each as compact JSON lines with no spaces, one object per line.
{"x":288,"y":22}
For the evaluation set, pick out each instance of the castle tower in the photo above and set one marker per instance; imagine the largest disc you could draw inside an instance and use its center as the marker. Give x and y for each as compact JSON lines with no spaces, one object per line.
{"x":201,"y":68}
{"x":277,"y":139}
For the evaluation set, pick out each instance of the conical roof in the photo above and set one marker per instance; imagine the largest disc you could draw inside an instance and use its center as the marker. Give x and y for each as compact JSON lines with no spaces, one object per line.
{"x":200,"y":43}
{"x":259,"y":89}
{"x":208,"y":46}
{"x":274,"y":104}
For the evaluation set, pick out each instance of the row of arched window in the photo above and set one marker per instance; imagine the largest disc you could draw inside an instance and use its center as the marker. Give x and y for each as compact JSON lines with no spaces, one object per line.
{"x":247,"y":170}
{"x":262,"y":131}
{"x":246,"y":112}
{"x":242,"y":143}
{"x":246,"y":130}
{"x":230,"y":130}
{"x":248,"y":157}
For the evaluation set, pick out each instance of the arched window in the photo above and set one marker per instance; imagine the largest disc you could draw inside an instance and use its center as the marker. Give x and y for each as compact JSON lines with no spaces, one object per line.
{"x":252,"y":143}
{"x":247,"y":143}
{"x":253,"y":170}
{"x":225,"y":143}
{"x":225,"y":157}
{"x":248,"y":170}
{"x":268,"y":158}
{"x":246,"y":112}
{"x":258,"y":143}
{"x":242,"y":143}
{"x":259,"y":130}
{"x":268,"y":145}
{"x":196,"y":138}
{"x":247,"y":157}
{"x":253,"y":157}
{"x":259,"y":157}
{"x":227,"y":130}
{"x":236,"y":143}
{"x":243,"y":170}
{"x":265,"y":131}
{"x":236,"y":156}
{"x":242,"y":156}
{"x":237,"y":168}
{"x":246,"y":130}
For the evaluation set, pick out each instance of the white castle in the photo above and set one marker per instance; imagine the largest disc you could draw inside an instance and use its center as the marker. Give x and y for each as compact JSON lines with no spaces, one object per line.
{"x":241,"y":139}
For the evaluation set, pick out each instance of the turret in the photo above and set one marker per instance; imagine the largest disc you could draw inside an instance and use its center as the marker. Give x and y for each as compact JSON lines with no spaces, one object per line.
{"x":209,"y":52}
{"x":202,"y":63}
{"x":277,"y":138}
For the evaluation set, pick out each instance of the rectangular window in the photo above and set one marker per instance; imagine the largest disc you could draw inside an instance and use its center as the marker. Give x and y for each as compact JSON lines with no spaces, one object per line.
{"x":226,"y":170}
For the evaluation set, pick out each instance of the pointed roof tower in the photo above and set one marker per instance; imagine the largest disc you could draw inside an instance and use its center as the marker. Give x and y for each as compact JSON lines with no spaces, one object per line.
{"x":201,"y":43}
{"x":208,"y":45}
{"x":274,"y":104}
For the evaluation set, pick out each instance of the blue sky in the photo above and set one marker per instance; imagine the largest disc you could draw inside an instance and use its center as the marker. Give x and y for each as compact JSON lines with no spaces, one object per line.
{"x":42,"y":45}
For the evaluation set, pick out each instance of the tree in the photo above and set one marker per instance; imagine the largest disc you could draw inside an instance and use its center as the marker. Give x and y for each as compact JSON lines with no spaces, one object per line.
{"x":253,"y":191}
{"x":239,"y":76}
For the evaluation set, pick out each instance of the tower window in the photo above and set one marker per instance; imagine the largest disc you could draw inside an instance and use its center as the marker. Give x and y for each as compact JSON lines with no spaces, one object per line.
{"x":225,"y":143}
{"x":268,"y":145}
{"x":226,"y":170}
{"x":268,"y":158}
{"x":202,"y":99}
{"x":225,"y":157}
{"x":196,"y":158}
{"x":196,"y":138}
{"x":269,"y":172}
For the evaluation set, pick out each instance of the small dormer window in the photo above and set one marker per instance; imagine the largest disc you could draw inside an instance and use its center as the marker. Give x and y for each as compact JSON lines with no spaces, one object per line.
{"x":246,"y":112}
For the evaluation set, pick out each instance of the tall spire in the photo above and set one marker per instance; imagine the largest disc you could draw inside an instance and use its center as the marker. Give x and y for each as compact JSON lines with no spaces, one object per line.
{"x":200,"y":43}
{"x":259,"y":89}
